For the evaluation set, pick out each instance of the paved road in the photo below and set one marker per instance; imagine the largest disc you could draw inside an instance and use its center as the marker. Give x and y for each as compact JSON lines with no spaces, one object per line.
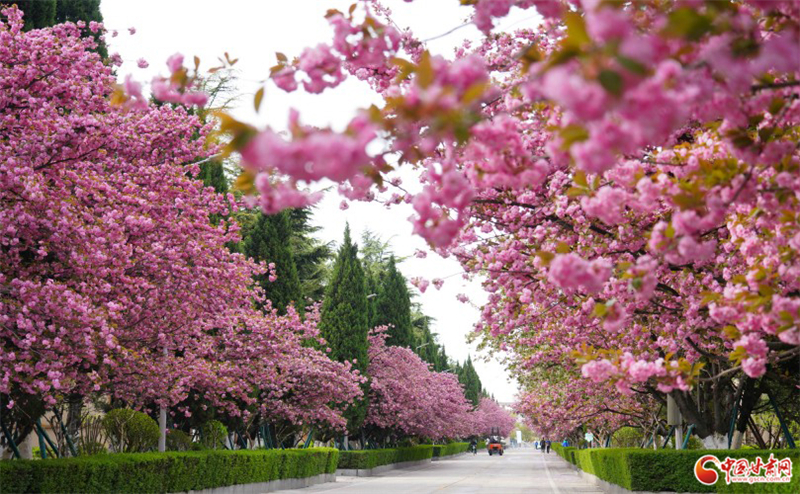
{"x":518,"y":471}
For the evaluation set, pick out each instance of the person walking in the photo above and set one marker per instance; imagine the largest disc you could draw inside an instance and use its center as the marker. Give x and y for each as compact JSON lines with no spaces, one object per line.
{"x":543,"y":445}
{"x":548,"y":446}
{"x":565,"y":443}
{"x":473,"y":446}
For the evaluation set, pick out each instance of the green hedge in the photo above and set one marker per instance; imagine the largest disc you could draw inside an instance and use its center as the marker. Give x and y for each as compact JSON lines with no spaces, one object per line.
{"x":371,"y":458}
{"x":672,"y":470}
{"x":449,"y":449}
{"x":163,"y":472}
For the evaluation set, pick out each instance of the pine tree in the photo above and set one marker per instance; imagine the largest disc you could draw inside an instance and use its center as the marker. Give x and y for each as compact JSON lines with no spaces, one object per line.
{"x":311,"y":255}
{"x":38,"y":13}
{"x":344,"y":323}
{"x":268,"y":241}
{"x":212,"y":173}
{"x":45,"y":13}
{"x":393,"y":307}
{"x":468,"y":377}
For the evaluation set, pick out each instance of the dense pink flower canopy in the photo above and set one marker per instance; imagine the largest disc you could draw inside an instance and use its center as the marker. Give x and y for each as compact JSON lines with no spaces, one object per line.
{"x":626,"y":175}
{"x":406,"y":396}
{"x":113,"y":278}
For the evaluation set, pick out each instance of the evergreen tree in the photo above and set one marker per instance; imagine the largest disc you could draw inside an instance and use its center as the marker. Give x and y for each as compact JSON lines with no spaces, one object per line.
{"x":344,"y":323}
{"x":468,"y":377}
{"x":373,"y":288}
{"x":46,"y":13}
{"x":393,"y":306}
{"x":268,"y":241}
{"x":311,"y":256}
{"x":212,"y":173}
{"x":38,"y":13}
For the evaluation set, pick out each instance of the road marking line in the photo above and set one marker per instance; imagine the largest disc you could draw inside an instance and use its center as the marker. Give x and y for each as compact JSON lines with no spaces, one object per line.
{"x":550,"y":477}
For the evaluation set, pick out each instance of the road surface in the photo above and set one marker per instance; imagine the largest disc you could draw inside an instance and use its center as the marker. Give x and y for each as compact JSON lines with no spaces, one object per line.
{"x":523,"y":470}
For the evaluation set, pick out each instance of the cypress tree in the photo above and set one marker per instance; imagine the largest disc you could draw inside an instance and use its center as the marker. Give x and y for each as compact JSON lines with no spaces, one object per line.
{"x":468,"y":377}
{"x":46,"y":13}
{"x":311,"y":255}
{"x":393,"y":306}
{"x":344,"y":323}
{"x":268,"y":241}
{"x":212,"y":174}
{"x":38,"y":13}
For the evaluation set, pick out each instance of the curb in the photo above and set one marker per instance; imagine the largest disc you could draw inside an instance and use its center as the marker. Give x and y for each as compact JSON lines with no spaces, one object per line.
{"x":369,"y":472}
{"x":271,"y":486}
{"x":446,"y":457}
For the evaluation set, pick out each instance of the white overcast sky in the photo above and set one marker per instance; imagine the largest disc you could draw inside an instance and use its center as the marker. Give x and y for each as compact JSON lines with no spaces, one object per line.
{"x":253,"y":31}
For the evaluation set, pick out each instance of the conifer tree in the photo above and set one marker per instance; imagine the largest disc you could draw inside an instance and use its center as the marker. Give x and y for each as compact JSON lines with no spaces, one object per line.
{"x":268,"y":241}
{"x":46,"y":13}
{"x":344,"y":320}
{"x":393,"y":307}
{"x":311,"y":255}
{"x":212,"y":173}
{"x":468,"y":377}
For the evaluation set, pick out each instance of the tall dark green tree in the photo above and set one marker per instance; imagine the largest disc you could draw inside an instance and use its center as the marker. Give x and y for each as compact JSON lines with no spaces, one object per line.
{"x":393,"y":306}
{"x":212,"y":173}
{"x":311,"y":255}
{"x":46,"y":13}
{"x":38,"y":13}
{"x":344,"y":323}
{"x":468,"y":377}
{"x":269,"y":240}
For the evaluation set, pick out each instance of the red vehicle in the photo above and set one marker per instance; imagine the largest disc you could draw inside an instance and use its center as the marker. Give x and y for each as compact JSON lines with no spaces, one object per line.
{"x":495,"y":445}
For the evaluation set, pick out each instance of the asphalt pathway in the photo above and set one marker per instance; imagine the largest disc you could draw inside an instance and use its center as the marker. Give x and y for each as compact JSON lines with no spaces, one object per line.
{"x":523,"y":470}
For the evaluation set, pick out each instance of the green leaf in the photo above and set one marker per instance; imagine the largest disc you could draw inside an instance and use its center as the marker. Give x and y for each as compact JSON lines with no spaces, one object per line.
{"x":563,"y":248}
{"x":474,"y":92}
{"x":731,"y":332}
{"x":573,"y":133}
{"x":545,"y":256}
{"x":577,"y":192}
{"x":611,"y":81}
{"x":577,"y":36}
{"x":579,"y":177}
{"x":632,"y":65}
{"x":258,"y":98}
{"x":687,"y":23}
{"x":425,"y":73}
{"x":600,"y":310}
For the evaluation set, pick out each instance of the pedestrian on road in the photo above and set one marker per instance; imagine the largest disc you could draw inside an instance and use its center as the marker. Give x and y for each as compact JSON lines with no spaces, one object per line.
{"x":548,"y":446}
{"x":565,"y":443}
{"x":543,"y":445}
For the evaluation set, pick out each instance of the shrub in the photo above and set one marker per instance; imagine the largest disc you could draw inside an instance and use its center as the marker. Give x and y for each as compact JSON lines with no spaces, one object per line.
{"x":163,"y":472}
{"x":671,"y":470}
{"x":130,"y":431}
{"x":628,"y":437}
{"x":213,"y":434}
{"x":371,"y":458}
{"x":89,"y":448}
{"x":449,"y":449}
{"x":177,"y":440}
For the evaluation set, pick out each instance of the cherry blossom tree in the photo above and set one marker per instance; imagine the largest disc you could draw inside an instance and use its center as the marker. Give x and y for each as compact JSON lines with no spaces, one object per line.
{"x":113,"y":280}
{"x":407,"y":398}
{"x":625,"y":175}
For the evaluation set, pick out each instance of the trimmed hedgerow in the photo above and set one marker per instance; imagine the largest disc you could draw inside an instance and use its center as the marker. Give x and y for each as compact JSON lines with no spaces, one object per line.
{"x":371,"y":458}
{"x":163,"y":472}
{"x":670,"y":470}
{"x":449,"y":449}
